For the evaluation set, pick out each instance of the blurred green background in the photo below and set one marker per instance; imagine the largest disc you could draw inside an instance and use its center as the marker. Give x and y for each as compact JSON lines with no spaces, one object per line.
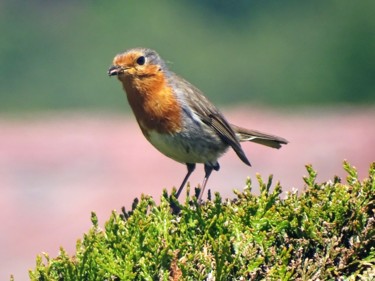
{"x":54,"y":54}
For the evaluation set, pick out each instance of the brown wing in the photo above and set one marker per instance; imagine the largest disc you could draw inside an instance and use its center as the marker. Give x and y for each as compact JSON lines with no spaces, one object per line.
{"x":211,"y":116}
{"x":226,"y":133}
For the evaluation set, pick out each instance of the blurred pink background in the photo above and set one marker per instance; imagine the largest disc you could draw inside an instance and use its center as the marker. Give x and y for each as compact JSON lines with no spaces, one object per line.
{"x":55,"y":169}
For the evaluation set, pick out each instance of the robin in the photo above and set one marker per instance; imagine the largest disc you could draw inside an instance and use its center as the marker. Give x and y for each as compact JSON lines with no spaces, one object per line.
{"x":176,"y":118}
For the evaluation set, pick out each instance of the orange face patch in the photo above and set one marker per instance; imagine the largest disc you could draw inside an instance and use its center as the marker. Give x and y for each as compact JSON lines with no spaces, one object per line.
{"x":126,"y":59}
{"x":150,"y":97}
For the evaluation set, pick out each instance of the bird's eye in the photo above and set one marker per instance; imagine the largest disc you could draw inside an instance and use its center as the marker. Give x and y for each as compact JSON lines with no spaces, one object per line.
{"x":141,"y":60}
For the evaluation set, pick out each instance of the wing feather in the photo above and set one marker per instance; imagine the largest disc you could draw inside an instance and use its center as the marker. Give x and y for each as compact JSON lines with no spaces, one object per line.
{"x":212,"y":117}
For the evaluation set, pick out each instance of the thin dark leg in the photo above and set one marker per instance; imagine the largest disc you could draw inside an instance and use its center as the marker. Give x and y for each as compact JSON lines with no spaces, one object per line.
{"x":191,"y":168}
{"x":208,"y":169}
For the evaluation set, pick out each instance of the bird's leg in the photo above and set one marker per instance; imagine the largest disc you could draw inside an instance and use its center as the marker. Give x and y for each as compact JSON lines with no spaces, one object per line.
{"x":190,"y":168}
{"x":207,"y":169}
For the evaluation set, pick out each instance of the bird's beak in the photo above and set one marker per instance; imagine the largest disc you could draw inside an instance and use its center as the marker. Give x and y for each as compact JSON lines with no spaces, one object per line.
{"x":115,"y":70}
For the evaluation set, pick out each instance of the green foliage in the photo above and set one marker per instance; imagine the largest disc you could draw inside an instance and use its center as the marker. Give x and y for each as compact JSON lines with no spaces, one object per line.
{"x":324,"y":233}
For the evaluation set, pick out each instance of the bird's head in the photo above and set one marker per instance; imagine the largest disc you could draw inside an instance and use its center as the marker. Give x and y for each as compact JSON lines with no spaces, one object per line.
{"x":137,"y":63}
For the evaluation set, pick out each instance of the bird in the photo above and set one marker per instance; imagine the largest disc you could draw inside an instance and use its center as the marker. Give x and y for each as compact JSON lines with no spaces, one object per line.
{"x":177,"y":118}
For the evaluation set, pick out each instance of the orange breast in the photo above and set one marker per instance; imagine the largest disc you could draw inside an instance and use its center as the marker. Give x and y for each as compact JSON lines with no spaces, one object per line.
{"x":154,"y":104}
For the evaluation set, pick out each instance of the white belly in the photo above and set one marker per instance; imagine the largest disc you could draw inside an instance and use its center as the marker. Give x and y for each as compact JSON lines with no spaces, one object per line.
{"x":187,"y":149}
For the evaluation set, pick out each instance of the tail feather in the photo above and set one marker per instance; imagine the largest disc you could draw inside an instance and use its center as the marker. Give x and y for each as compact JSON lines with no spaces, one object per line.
{"x":258,"y":137}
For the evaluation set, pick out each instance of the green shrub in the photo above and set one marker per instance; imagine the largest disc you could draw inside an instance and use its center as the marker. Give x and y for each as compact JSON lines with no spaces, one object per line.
{"x":325,"y":233}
